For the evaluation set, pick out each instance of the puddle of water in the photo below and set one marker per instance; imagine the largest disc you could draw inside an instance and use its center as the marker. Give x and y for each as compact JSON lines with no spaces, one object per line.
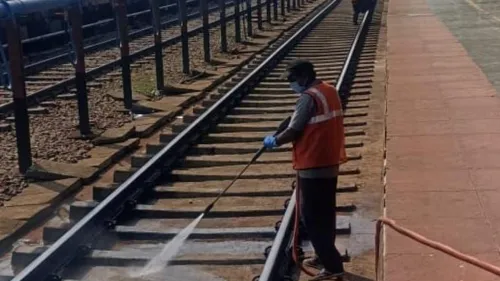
{"x":190,"y":248}
{"x":170,"y":273}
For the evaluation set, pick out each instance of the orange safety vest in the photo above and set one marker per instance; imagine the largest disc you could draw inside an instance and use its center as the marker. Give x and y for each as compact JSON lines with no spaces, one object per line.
{"x":322,"y":142}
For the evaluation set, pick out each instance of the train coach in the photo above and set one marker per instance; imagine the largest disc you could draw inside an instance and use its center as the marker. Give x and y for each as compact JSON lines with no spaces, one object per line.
{"x":39,"y":24}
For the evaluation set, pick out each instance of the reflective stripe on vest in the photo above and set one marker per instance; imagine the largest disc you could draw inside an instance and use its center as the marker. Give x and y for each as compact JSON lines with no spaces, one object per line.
{"x":327,"y":113}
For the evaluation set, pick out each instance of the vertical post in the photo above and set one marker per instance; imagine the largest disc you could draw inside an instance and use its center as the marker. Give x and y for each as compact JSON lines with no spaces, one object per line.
{"x":275,"y":7}
{"x":282,"y":3}
{"x":268,"y":11}
{"x":259,"y":14}
{"x":249,"y":18}
{"x":223,"y":34}
{"x":75,"y":21}
{"x":16,"y":65}
{"x":184,"y":36}
{"x":121,"y":19}
{"x":155,"y":12}
{"x":237,"y":21}
{"x":206,"y":32}
{"x":288,"y":6}
{"x":294,"y":4}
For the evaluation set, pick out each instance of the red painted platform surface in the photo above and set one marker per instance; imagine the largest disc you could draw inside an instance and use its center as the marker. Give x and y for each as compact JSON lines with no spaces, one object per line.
{"x":443,"y":150}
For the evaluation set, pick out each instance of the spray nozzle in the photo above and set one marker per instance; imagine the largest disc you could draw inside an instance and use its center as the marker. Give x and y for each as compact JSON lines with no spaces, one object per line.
{"x":208,"y":208}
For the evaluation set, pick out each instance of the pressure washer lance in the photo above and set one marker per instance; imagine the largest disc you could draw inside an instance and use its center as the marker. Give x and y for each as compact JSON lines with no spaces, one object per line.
{"x":281,"y":128}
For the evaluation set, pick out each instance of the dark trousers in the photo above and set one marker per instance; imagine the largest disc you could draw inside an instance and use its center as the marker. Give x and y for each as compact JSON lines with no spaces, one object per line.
{"x":356,"y":8}
{"x":317,"y":207}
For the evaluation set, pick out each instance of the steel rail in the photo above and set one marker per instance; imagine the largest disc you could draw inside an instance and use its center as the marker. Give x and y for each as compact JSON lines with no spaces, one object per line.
{"x":77,"y":241}
{"x":67,"y":83}
{"x":280,"y":256}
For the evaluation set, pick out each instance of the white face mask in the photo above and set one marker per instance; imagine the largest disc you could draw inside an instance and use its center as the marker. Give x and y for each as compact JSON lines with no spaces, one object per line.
{"x":296,"y":87}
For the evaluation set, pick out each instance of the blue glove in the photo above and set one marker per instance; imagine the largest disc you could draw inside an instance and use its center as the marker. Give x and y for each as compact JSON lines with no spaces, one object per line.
{"x":270,"y":142}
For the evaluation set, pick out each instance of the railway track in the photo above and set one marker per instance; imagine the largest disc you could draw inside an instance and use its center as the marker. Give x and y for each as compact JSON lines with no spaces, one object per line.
{"x":56,"y":75}
{"x":172,"y":182}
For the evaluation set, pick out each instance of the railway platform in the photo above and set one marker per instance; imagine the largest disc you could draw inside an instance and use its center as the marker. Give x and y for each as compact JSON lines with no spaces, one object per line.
{"x":442,"y":142}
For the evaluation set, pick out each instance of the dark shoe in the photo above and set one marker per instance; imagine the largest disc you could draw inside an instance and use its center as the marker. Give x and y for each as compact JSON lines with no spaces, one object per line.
{"x":313,"y":262}
{"x":325,"y":275}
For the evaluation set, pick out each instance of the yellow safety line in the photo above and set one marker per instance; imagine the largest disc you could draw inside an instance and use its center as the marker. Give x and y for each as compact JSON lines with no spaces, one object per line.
{"x":477,"y":7}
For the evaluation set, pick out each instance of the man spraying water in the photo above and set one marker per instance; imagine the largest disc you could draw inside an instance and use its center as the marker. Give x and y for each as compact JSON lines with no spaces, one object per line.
{"x":172,"y":248}
{"x":317,"y":132}
{"x":360,"y":6}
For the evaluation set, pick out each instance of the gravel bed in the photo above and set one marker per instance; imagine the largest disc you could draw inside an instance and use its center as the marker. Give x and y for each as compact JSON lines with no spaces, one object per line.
{"x":50,"y":132}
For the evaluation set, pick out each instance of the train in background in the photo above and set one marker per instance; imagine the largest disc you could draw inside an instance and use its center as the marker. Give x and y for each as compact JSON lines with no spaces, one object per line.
{"x":46,"y":37}
{"x":38,"y":24}
{"x":45,"y":31}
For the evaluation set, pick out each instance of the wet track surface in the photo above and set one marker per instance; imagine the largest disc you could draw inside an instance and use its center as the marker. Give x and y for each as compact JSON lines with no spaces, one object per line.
{"x":231,"y":242}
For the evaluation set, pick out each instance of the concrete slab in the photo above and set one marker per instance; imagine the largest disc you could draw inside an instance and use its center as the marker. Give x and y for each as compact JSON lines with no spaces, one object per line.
{"x":44,"y":192}
{"x":166,"y":209}
{"x":275,"y":157}
{"x":144,"y":126}
{"x":26,"y":254}
{"x":118,"y":95}
{"x":249,"y":184}
{"x":7,"y":226}
{"x":234,"y":233}
{"x":160,"y":105}
{"x":22,"y":212}
{"x":255,"y":146}
{"x":103,"y":156}
{"x":255,"y":171}
{"x":50,"y":170}
{"x":115,"y":135}
{"x":31,"y":207}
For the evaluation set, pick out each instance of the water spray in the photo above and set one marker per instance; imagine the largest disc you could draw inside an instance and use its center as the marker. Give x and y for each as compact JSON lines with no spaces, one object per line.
{"x":173,"y":246}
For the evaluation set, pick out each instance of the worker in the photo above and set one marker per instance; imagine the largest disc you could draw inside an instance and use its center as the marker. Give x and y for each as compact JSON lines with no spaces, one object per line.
{"x":316,"y":130}
{"x":356,"y":11}
{"x":360,"y":6}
